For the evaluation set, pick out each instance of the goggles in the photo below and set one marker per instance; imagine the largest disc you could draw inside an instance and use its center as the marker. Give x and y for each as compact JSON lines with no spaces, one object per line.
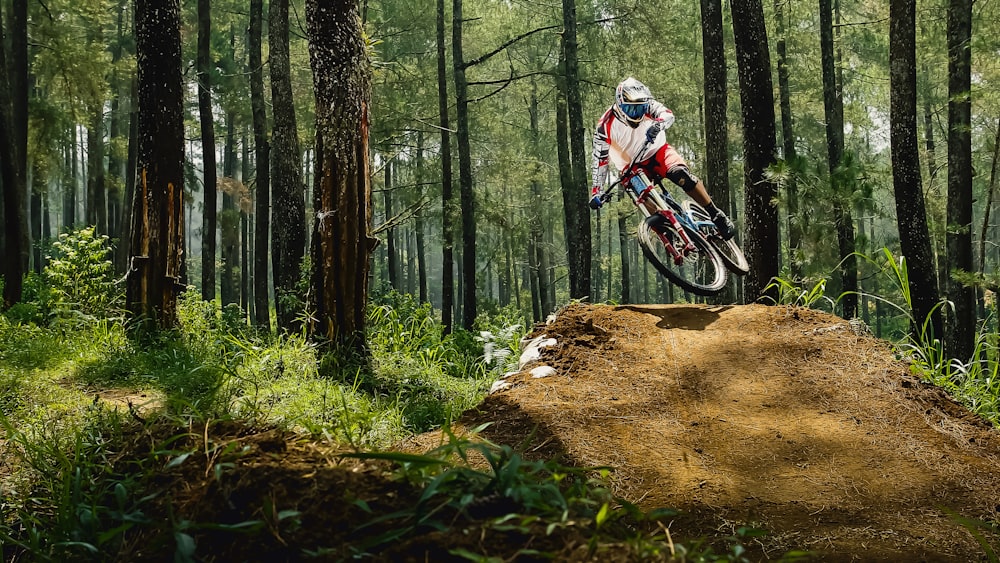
{"x":636,"y":110}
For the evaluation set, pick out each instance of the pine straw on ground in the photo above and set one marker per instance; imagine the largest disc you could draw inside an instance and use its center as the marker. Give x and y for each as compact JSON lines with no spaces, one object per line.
{"x":780,"y":418}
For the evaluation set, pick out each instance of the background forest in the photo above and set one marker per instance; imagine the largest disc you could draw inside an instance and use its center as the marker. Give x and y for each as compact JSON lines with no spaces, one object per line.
{"x":855,"y":143}
{"x":81,"y":113}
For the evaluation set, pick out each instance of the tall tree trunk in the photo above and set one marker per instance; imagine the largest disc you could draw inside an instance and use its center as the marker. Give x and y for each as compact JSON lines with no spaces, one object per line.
{"x":116,"y":170}
{"x":13,"y":158}
{"x":421,"y":246}
{"x":342,"y":195}
{"x":833,"y":106}
{"x":69,"y":183}
{"x":288,"y":210}
{"x":390,"y":235}
{"x":447,"y":219}
{"x":961,"y":336}
{"x":246,"y":292}
{"x":623,"y":243}
{"x":757,"y":108}
{"x":788,"y":140}
{"x":124,"y":249}
{"x":35,"y":212}
{"x":229,"y":221}
{"x":914,"y":237}
{"x":578,"y":239}
{"x":990,"y":201}
{"x":716,"y":107}
{"x":536,"y":248}
{"x":465,"y":183}
{"x":262,"y":176}
{"x":210,"y":175}
{"x":158,"y":219}
{"x":97,"y":203}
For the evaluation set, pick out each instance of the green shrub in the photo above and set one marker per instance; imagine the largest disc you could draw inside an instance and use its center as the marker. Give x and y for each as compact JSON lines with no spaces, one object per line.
{"x":80,"y":274}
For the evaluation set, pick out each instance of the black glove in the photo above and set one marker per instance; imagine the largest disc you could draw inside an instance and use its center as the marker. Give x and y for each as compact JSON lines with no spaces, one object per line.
{"x":653,"y":131}
{"x":595,"y":202}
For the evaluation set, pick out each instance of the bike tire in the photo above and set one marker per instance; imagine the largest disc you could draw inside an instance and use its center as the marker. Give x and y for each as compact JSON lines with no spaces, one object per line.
{"x":701,"y":272}
{"x":730,"y":252}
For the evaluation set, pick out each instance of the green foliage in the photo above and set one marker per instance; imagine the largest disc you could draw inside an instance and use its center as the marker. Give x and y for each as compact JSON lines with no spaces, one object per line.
{"x":79,"y":275}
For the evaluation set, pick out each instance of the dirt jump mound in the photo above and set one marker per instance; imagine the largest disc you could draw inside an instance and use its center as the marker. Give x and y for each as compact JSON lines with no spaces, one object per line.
{"x":784,"y":419}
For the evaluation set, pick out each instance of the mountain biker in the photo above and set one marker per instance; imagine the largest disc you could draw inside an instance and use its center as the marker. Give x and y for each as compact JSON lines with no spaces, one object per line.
{"x":634,"y":118}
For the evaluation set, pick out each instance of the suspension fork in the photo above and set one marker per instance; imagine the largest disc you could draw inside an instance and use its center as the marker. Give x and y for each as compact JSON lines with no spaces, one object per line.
{"x":650,"y":202}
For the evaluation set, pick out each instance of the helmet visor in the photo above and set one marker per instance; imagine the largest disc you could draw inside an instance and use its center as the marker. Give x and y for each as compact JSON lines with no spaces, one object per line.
{"x":636,"y":110}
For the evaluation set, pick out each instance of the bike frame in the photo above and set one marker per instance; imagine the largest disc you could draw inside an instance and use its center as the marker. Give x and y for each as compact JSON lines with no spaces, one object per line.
{"x":651,"y":202}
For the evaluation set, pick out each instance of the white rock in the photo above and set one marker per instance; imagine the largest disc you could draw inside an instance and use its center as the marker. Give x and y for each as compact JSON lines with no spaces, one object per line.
{"x":542,"y":371}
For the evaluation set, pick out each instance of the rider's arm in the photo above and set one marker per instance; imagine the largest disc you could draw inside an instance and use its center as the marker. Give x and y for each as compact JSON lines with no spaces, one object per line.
{"x":660,"y":112}
{"x":602,"y":145}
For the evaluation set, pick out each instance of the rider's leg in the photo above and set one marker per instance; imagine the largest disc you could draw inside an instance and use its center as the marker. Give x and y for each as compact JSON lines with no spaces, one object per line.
{"x":671,"y":166}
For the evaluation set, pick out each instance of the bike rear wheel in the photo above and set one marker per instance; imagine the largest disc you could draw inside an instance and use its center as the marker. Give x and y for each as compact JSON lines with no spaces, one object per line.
{"x":730,"y":252}
{"x":701,"y":271}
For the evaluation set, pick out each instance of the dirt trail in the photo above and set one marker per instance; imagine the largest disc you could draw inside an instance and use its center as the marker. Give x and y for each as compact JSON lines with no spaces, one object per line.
{"x":777,"y":417}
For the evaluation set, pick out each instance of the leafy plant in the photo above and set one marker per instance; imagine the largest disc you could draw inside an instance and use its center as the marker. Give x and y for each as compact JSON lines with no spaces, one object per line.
{"x":79,"y":275}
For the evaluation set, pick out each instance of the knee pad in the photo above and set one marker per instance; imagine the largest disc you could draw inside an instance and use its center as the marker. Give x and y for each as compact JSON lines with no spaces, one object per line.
{"x":681,"y":176}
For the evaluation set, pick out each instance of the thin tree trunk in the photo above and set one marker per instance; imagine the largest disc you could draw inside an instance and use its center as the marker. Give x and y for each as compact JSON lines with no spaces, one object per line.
{"x":390,"y":234}
{"x":124,"y":249}
{"x":578,"y":238}
{"x":447,"y":221}
{"x":623,"y":240}
{"x":262,"y":176}
{"x":914,"y":236}
{"x":788,"y":140}
{"x":421,"y":245}
{"x":209,"y":174}
{"x":962,"y":330}
{"x":716,"y":122}
{"x":288,"y":214}
{"x":833,"y":106}
{"x":465,"y":181}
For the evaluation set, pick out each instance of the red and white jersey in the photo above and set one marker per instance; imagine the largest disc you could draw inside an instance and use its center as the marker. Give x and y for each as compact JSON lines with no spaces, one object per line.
{"x":618,"y":142}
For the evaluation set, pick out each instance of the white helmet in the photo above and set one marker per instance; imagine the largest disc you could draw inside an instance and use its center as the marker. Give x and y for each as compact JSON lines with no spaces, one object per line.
{"x":631,"y":101}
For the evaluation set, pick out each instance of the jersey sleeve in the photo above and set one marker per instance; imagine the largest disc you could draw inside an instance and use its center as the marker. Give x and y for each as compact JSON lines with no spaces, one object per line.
{"x":662,"y":113}
{"x":602,"y":144}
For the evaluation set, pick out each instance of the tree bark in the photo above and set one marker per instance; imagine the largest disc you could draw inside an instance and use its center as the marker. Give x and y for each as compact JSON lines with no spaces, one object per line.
{"x":716,"y":122}
{"x":288,"y":212}
{"x":421,"y":245}
{"x":229,"y":220}
{"x":262,"y":180}
{"x":578,"y":238}
{"x":158,"y":219}
{"x":961,"y":336}
{"x":341,"y":242}
{"x":13,"y":158}
{"x":209,"y":173}
{"x":390,"y":235}
{"x":447,"y":221}
{"x":833,"y":107}
{"x":914,"y":237}
{"x":788,"y":147}
{"x":467,"y":196}
{"x":757,"y":109}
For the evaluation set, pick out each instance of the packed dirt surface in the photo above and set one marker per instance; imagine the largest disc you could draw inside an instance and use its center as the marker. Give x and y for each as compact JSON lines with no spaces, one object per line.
{"x":780,"y":418}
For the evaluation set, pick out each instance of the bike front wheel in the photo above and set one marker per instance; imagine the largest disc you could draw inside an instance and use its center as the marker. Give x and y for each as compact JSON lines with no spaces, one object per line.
{"x":700,"y":271}
{"x":730,"y":252}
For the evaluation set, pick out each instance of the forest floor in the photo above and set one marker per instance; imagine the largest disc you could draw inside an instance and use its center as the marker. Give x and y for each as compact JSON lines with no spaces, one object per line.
{"x":779,"y":418}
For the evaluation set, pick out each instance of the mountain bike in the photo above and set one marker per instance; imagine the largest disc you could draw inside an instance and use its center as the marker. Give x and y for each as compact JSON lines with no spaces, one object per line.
{"x":679,"y":239}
